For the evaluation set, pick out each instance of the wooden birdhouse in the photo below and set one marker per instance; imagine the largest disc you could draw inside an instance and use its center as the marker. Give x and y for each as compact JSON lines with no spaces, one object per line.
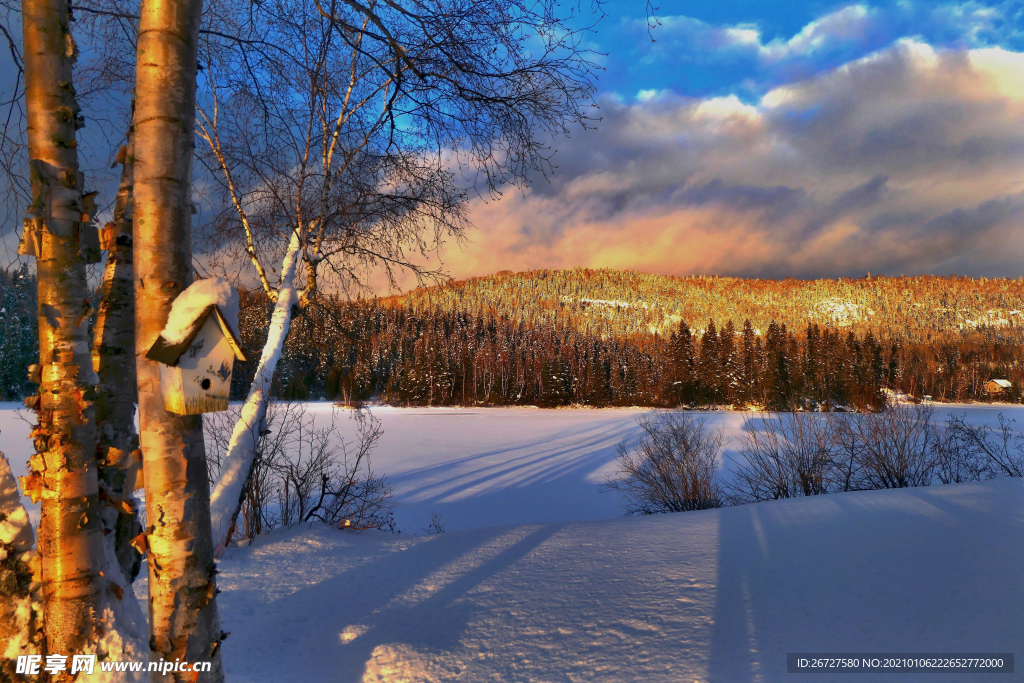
{"x":195,"y":374}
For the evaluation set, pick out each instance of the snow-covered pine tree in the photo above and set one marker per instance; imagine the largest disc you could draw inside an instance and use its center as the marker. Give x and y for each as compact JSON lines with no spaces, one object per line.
{"x":20,"y":605}
{"x":19,"y":333}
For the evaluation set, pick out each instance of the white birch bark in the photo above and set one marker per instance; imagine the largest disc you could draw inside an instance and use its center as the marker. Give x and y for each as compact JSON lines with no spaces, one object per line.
{"x":63,"y":470}
{"x":184,"y":623}
{"x":113,"y":359}
{"x":226,"y":499}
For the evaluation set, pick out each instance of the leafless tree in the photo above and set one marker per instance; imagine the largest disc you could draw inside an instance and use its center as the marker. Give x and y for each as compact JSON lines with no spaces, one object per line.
{"x":304,"y":472}
{"x":113,"y":358}
{"x":784,"y":455}
{"x":57,"y":233}
{"x":349,"y":124}
{"x":340,"y":130}
{"x":895,"y":446}
{"x":1001,"y":449}
{"x":672,"y":468}
{"x":184,"y":619}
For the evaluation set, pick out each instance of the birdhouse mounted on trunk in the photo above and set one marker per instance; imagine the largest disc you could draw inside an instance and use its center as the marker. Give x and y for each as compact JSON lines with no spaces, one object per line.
{"x":195,"y":372}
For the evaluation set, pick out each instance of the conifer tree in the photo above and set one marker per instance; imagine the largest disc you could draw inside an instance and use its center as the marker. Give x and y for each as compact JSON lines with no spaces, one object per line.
{"x":709,"y":365}
{"x":727,"y":363}
{"x":748,"y":362}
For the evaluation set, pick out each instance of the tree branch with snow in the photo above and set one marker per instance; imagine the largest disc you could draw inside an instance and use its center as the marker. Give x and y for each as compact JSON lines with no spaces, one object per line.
{"x":226,"y":499}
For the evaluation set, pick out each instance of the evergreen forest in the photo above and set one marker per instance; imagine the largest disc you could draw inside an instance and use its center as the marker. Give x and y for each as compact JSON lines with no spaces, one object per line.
{"x":614,"y":338}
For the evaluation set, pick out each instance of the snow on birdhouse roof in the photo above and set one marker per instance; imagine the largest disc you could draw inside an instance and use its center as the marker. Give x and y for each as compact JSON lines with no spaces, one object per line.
{"x":1004,"y":383}
{"x":168,"y":353}
{"x":192,"y":303}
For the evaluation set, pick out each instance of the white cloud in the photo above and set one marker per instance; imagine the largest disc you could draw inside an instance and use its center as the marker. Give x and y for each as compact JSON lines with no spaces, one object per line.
{"x":843,"y":25}
{"x":831,"y":39}
{"x":725,"y":108}
{"x":847,"y":24}
{"x":910,"y":160}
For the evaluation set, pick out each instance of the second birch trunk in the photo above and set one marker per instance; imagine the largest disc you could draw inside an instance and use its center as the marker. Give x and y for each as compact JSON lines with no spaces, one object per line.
{"x":113,"y":355}
{"x":182,"y":608}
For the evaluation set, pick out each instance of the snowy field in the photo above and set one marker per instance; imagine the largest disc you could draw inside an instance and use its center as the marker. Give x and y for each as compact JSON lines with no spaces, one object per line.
{"x":539,"y":578}
{"x":496,"y":466}
{"x":709,"y":596}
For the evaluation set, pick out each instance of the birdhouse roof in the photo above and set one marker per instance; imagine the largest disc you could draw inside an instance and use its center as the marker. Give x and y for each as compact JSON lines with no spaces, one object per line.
{"x":1004,"y":383}
{"x":164,"y":352}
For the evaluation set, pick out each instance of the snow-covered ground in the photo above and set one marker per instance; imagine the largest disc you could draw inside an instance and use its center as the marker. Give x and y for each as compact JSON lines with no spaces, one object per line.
{"x":477,"y":467}
{"x":490,"y":467}
{"x":718,"y":595}
{"x":539,"y":578}
{"x":482,"y":467}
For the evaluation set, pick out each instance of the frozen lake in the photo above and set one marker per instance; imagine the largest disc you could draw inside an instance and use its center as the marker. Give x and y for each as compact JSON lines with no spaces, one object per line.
{"x":484,"y":467}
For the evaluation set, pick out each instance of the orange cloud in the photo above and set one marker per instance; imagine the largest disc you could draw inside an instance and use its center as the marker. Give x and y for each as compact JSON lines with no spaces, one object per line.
{"x":910,"y":160}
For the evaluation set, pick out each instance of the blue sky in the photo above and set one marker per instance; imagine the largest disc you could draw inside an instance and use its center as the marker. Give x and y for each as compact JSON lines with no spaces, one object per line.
{"x":785,"y":139}
{"x":702,"y":48}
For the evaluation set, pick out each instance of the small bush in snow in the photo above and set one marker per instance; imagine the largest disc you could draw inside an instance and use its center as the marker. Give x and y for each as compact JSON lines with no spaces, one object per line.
{"x":784,"y":455}
{"x":437,"y":524}
{"x":303,"y":472}
{"x":672,"y":468}
{"x":992,"y":451}
{"x":895,"y":448}
{"x":957,"y":456}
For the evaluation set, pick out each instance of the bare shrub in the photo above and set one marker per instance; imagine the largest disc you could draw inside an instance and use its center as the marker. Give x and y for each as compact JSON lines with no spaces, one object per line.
{"x":803,"y":454}
{"x":957,"y":456}
{"x":672,"y":468}
{"x":303,"y":472}
{"x":894,"y":448}
{"x":999,"y":450}
{"x":437,"y":524}
{"x":790,"y":455}
{"x":846,"y":451}
{"x":336,"y":485}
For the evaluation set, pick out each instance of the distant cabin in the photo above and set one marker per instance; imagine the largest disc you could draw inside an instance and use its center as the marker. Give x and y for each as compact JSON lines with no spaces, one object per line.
{"x":195,"y":375}
{"x":995,"y":387}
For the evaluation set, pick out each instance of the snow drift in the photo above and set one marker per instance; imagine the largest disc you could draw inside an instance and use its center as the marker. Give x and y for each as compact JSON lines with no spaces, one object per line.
{"x":718,"y":595}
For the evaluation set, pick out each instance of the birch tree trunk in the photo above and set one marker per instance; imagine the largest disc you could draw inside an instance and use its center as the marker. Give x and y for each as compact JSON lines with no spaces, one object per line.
{"x":113,"y":356}
{"x":182,"y":609}
{"x":64,"y":473}
{"x":229,"y":492}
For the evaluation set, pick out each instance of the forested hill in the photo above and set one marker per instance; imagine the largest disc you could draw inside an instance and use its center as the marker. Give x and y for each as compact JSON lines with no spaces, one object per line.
{"x":620,"y":302}
{"x":604,"y":337}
